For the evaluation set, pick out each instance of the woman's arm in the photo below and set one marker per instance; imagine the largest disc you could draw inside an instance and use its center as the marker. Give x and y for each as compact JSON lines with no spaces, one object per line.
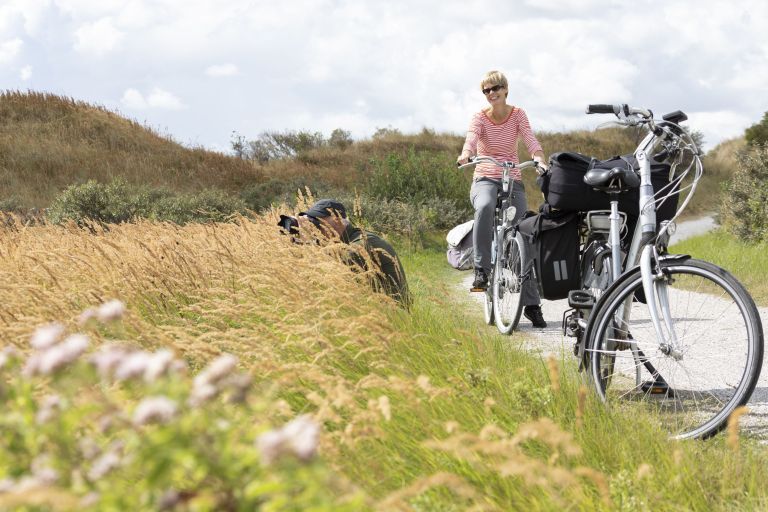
{"x":470,"y":144}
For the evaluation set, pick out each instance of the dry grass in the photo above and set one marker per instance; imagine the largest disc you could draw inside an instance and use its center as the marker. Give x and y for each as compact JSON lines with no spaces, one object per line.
{"x":48,"y":142}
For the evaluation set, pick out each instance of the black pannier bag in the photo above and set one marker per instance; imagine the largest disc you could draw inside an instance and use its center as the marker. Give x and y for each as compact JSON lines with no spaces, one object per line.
{"x":554,"y":243}
{"x":564,"y":188}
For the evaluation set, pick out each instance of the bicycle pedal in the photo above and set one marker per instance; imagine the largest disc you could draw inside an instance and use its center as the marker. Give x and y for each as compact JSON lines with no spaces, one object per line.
{"x":478,"y":289}
{"x":657,"y":388}
{"x":581,"y":299}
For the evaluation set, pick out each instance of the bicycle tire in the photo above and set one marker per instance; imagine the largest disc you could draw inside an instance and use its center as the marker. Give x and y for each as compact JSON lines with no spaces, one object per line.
{"x":488,"y":313}
{"x":709,"y":380}
{"x":507,"y":283}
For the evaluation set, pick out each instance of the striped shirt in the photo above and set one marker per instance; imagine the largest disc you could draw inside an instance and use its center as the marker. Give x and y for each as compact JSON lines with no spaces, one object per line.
{"x":487,"y":138}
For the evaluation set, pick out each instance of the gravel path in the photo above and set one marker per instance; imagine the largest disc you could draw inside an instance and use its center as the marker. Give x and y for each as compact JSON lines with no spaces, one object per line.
{"x":551,"y":340}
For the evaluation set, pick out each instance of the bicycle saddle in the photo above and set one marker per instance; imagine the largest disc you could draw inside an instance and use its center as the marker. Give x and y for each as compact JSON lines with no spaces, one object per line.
{"x":618,"y":179}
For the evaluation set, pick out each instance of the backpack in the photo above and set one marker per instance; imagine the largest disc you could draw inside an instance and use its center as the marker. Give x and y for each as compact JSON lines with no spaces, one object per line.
{"x":460,"y":251}
{"x":554,"y":243}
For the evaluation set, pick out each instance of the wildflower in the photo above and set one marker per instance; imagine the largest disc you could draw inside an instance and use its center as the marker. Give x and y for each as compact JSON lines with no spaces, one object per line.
{"x":219,"y":368}
{"x":50,"y":405}
{"x":107,"y":359}
{"x":42,"y":472}
{"x":155,"y":409}
{"x":299,"y":437}
{"x":46,"y":336}
{"x":159,"y":363}
{"x":133,"y":365}
{"x":104,"y":464}
{"x":110,"y":311}
{"x":201,"y":393}
{"x":57,"y":356}
{"x":86,"y":316}
{"x":62,"y":354}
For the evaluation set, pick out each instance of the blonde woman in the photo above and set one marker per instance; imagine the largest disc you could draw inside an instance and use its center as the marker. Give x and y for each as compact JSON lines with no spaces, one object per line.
{"x":494,"y":131}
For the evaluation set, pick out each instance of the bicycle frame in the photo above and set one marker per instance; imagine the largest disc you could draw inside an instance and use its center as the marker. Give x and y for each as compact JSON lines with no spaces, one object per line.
{"x":644,"y":250}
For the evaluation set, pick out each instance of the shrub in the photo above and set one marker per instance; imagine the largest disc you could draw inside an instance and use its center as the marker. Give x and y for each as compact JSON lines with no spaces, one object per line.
{"x":208,"y":205}
{"x":111,"y":203}
{"x":118,"y":202}
{"x":416,"y":177}
{"x":744,"y":209}
{"x":758,"y":133}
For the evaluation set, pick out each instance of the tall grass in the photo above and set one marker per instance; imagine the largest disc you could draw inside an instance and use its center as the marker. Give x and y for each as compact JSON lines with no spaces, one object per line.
{"x":427,"y":410}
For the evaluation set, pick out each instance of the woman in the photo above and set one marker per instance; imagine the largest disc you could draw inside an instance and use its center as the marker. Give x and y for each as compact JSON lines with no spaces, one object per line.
{"x":494,"y":131}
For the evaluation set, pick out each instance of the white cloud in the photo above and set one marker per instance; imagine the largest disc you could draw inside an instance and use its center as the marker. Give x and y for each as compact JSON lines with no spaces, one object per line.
{"x":98,"y":38}
{"x":719,"y":125}
{"x":9,"y":50}
{"x":222,"y":70}
{"x":157,"y":98}
{"x":26,"y":73}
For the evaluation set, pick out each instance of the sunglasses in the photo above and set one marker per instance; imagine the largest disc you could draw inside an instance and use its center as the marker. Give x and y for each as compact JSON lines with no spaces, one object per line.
{"x":489,"y":90}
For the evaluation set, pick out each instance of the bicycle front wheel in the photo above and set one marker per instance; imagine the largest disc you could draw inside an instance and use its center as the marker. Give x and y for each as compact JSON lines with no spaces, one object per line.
{"x":507,"y":283}
{"x":707,"y":365}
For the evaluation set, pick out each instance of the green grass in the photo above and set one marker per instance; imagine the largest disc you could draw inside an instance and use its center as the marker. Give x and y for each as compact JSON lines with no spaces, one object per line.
{"x":747,"y":262}
{"x":495,"y":382}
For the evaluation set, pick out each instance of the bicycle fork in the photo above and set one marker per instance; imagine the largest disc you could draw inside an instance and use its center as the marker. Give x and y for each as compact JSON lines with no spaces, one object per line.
{"x":657,"y":300}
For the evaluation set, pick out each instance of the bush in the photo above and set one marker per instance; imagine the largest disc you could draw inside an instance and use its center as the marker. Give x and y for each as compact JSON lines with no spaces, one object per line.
{"x":410,"y":220}
{"x":119,"y":201}
{"x":111,"y":203}
{"x":416,"y":177}
{"x":209,"y":205}
{"x":744,"y":210}
{"x":758,"y":133}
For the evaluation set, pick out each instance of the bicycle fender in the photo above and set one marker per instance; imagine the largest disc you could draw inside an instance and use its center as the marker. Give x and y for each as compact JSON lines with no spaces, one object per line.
{"x":582,"y":356}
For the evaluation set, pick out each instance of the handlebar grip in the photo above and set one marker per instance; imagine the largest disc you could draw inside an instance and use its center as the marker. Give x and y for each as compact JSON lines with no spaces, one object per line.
{"x":601,"y":109}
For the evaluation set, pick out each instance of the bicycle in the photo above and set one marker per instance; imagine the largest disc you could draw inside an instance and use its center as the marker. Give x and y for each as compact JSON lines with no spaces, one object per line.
{"x":652,"y":331}
{"x":502,"y":303}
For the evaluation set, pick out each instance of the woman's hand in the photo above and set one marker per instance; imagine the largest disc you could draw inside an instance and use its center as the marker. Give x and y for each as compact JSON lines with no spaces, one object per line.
{"x":463,"y":158}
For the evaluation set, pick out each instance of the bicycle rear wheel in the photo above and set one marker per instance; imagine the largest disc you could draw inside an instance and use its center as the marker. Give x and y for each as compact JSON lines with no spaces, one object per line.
{"x":692,"y":385}
{"x":507,"y":283}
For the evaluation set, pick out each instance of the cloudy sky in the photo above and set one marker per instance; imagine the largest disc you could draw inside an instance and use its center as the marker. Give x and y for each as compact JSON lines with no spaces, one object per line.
{"x":199,"y":70}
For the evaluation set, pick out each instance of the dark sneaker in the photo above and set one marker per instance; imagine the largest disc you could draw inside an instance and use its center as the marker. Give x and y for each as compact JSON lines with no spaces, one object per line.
{"x":480,"y":284}
{"x":533,"y":313}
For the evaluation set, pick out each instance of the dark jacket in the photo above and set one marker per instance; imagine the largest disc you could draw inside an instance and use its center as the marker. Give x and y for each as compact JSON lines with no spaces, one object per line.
{"x":389,"y":275}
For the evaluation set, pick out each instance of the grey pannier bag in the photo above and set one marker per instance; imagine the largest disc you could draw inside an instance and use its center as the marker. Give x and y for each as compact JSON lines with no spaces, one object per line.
{"x":460,"y":252}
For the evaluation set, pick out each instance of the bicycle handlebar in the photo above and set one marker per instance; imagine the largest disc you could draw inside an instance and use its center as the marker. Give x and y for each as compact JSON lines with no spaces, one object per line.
{"x":504,"y":165}
{"x":601,"y":109}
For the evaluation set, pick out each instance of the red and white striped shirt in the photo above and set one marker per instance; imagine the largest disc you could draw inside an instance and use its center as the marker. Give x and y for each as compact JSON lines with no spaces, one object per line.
{"x":488,"y":138}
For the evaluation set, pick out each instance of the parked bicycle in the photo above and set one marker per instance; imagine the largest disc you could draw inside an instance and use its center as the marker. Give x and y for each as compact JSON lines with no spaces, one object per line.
{"x":511,"y":268}
{"x":665,"y":333}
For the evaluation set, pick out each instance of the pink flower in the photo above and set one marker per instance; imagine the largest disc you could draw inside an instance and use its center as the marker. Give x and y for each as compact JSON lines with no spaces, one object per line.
{"x":298,"y":437}
{"x":46,"y":336}
{"x":154,"y":409}
{"x":57,"y":356}
{"x":219,"y":368}
{"x":133,"y":365}
{"x":110,"y":310}
{"x":50,"y":405}
{"x":158,"y":365}
{"x":107,"y":359}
